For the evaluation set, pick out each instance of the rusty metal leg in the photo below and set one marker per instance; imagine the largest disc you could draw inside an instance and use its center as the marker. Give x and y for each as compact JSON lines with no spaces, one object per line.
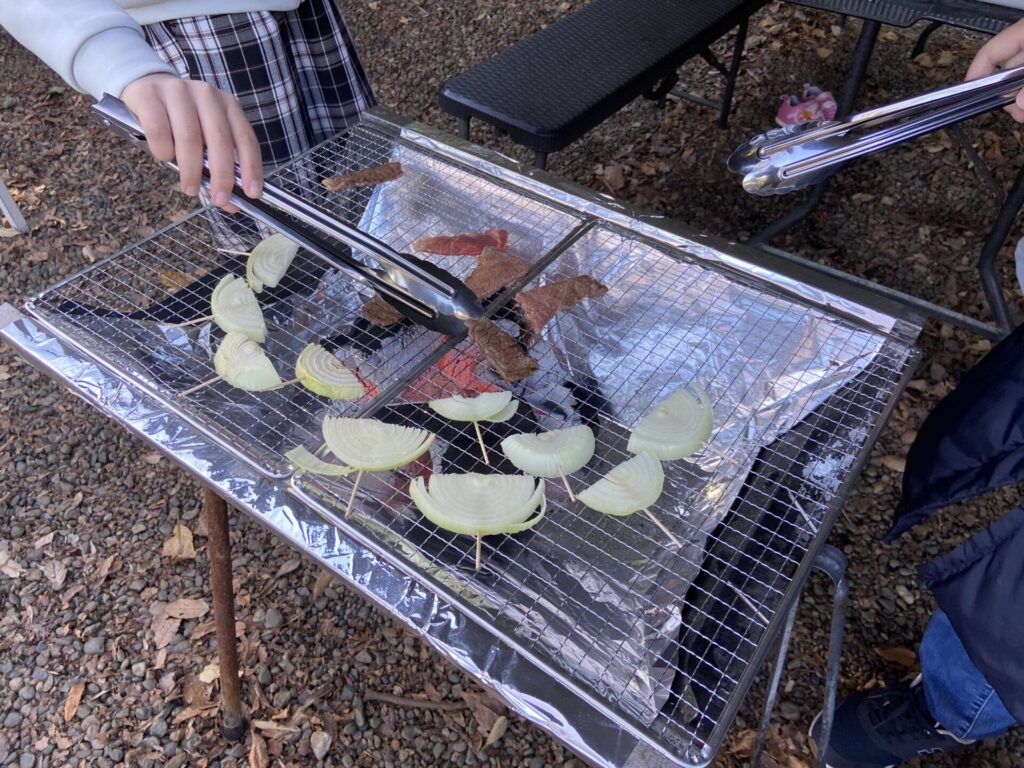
{"x":216,"y":511}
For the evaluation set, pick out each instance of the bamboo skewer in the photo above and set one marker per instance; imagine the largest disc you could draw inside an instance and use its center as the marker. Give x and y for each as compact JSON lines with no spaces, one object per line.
{"x":284,"y":384}
{"x":352,"y":497}
{"x":722,"y":454}
{"x":194,"y":321}
{"x":479,"y":542}
{"x":234,"y":252}
{"x":565,"y":482}
{"x":676,"y":542}
{"x":480,"y":439}
{"x":197,"y":387}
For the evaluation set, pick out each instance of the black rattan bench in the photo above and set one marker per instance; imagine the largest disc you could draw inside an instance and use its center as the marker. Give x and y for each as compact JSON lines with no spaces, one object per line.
{"x":548,"y":90}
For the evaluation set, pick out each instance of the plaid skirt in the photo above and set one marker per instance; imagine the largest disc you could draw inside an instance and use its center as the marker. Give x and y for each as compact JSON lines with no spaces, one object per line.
{"x":296,"y":73}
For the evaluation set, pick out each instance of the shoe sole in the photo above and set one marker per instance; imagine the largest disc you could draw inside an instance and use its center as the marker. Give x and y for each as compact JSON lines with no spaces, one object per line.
{"x":814,"y":743}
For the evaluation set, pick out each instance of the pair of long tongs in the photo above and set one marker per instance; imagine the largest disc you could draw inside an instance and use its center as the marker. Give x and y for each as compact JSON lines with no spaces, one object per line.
{"x":421,"y":291}
{"x":794,"y":157}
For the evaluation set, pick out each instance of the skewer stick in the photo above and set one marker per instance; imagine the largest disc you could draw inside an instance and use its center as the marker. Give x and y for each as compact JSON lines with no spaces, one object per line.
{"x":193,"y":321}
{"x":352,"y":498}
{"x":197,"y":387}
{"x":234,"y":251}
{"x":675,"y":542}
{"x":480,"y":439}
{"x":284,"y":384}
{"x":565,"y":482}
{"x":479,"y":541}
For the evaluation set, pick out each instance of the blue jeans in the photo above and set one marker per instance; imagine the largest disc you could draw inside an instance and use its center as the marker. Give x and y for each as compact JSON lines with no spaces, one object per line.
{"x":958,"y":696}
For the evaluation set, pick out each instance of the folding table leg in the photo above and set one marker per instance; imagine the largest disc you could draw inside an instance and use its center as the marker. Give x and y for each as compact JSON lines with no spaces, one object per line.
{"x":847,"y":101}
{"x":990,"y":251}
{"x":464,"y":128}
{"x":832,"y":562}
{"x":216,"y":512}
{"x":733,"y":73}
{"x":540,"y":160}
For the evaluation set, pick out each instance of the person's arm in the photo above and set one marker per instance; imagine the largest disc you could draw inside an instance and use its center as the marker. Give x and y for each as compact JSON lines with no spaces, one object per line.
{"x":98,"y":48}
{"x":1003,"y":51}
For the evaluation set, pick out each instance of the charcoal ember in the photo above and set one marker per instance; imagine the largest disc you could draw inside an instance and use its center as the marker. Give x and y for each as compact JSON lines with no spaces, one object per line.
{"x":503,"y":353}
{"x":495,"y":269}
{"x":539,"y":305}
{"x":365,"y":177}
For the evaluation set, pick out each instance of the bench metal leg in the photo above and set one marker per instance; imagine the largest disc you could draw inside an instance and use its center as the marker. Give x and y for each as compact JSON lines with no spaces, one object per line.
{"x":959,"y":134}
{"x":833,"y":563}
{"x":987,"y":261}
{"x":9,"y":210}
{"x":540,"y":160}
{"x":216,"y":512}
{"x":733,"y":73}
{"x":464,"y":128}
{"x":848,"y":100}
{"x":922,"y":39}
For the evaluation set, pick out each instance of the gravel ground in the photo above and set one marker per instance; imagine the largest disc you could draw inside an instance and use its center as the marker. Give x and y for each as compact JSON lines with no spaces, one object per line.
{"x":90,"y":598}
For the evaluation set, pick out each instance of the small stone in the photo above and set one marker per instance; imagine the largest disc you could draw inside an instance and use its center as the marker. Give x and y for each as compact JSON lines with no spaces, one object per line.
{"x":115,"y":754}
{"x":459,"y":746}
{"x":537,"y":762}
{"x":358,"y":715}
{"x":139,"y":669}
{"x":13,"y":720}
{"x":364,"y":657}
{"x":40,"y":674}
{"x":26,"y":693}
{"x":320,"y":743}
{"x":263,"y":675}
{"x":94,"y":646}
{"x":158,"y":729}
{"x":27,"y":760}
{"x":273,"y":619}
{"x":348,"y":761}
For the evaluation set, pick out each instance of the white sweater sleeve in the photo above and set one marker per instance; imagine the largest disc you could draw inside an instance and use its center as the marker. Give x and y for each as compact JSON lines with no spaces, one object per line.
{"x":93,"y":44}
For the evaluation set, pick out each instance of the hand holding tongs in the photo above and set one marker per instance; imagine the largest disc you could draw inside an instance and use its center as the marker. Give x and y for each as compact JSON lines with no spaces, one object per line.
{"x":420,"y":290}
{"x":790,"y":158}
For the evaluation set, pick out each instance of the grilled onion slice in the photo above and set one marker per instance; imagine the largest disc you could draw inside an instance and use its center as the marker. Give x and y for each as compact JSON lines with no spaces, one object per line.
{"x":374,"y":446}
{"x":241,"y":362}
{"x":235,"y":308}
{"x":676,"y":427}
{"x":323,"y":373}
{"x":479,"y":505}
{"x":550,"y":454}
{"x":269,"y":261}
{"x":633,"y":485}
{"x":484,"y":407}
{"x":304,"y":459}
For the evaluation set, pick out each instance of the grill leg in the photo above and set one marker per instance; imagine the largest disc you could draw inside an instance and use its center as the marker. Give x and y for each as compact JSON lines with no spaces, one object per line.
{"x":922,"y":39}
{"x":540,"y":160}
{"x":216,"y":511}
{"x":848,"y":100}
{"x":733,"y":73}
{"x":833,"y":563}
{"x":464,"y":128}
{"x":990,"y":251}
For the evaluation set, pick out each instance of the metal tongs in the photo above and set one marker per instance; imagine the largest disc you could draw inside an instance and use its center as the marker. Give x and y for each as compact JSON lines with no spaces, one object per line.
{"x":794,"y":157}
{"x":421,"y":291}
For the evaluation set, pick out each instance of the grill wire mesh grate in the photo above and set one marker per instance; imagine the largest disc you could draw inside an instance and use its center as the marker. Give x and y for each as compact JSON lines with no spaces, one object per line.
{"x":662,"y":637}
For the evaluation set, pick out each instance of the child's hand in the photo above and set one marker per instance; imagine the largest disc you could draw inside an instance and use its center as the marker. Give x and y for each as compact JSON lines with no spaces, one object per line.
{"x":180,"y":117}
{"x":1003,"y":51}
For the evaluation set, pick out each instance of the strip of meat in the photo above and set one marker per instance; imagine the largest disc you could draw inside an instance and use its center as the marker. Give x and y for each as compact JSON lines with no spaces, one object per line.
{"x":502,"y":352}
{"x":494,"y":270}
{"x":365,"y":177}
{"x":463,"y":245}
{"x":540,"y":304}
{"x":379,"y":312}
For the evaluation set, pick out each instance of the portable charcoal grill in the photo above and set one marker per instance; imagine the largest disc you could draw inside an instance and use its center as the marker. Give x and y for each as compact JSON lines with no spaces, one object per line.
{"x":598,"y":629}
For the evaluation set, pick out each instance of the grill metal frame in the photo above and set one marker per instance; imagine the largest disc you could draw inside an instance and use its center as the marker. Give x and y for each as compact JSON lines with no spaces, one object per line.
{"x":691,"y":745}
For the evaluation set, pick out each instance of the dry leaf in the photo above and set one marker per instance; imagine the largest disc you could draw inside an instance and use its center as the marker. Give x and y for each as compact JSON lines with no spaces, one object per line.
{"x":743,"y":746}
{"x":72,"y":701}
{"x":258,"y":756}
{"x":323,"y":581}
{"x":55,"y":571}
{"x":187,"y":608}
{"x":9,"y":567}
{"x":271,"y":726}
{"x":497,"y":731}
{"x":189,"y":712}
{"x":76,"y":502}
{"x":485,"y":708}
{"x":904,"y":657}
{"x":103,"y":569}
{"x":44,"y":541}
{"x":895,"y":463}
{"x":173,"y":280}
{"x":163,"y":625}
{"x":288,"y":566}
{"x":615,"y":176}
{"x":194,"y":691}
{"x":70,"y":592}
{"x":152,"y":458}
{"x":210,"y":672}
{"x":179,"y":546}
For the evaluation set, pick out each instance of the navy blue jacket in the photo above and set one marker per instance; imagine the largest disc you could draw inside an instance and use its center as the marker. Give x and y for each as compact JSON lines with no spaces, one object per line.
{"x":971,"y":443}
